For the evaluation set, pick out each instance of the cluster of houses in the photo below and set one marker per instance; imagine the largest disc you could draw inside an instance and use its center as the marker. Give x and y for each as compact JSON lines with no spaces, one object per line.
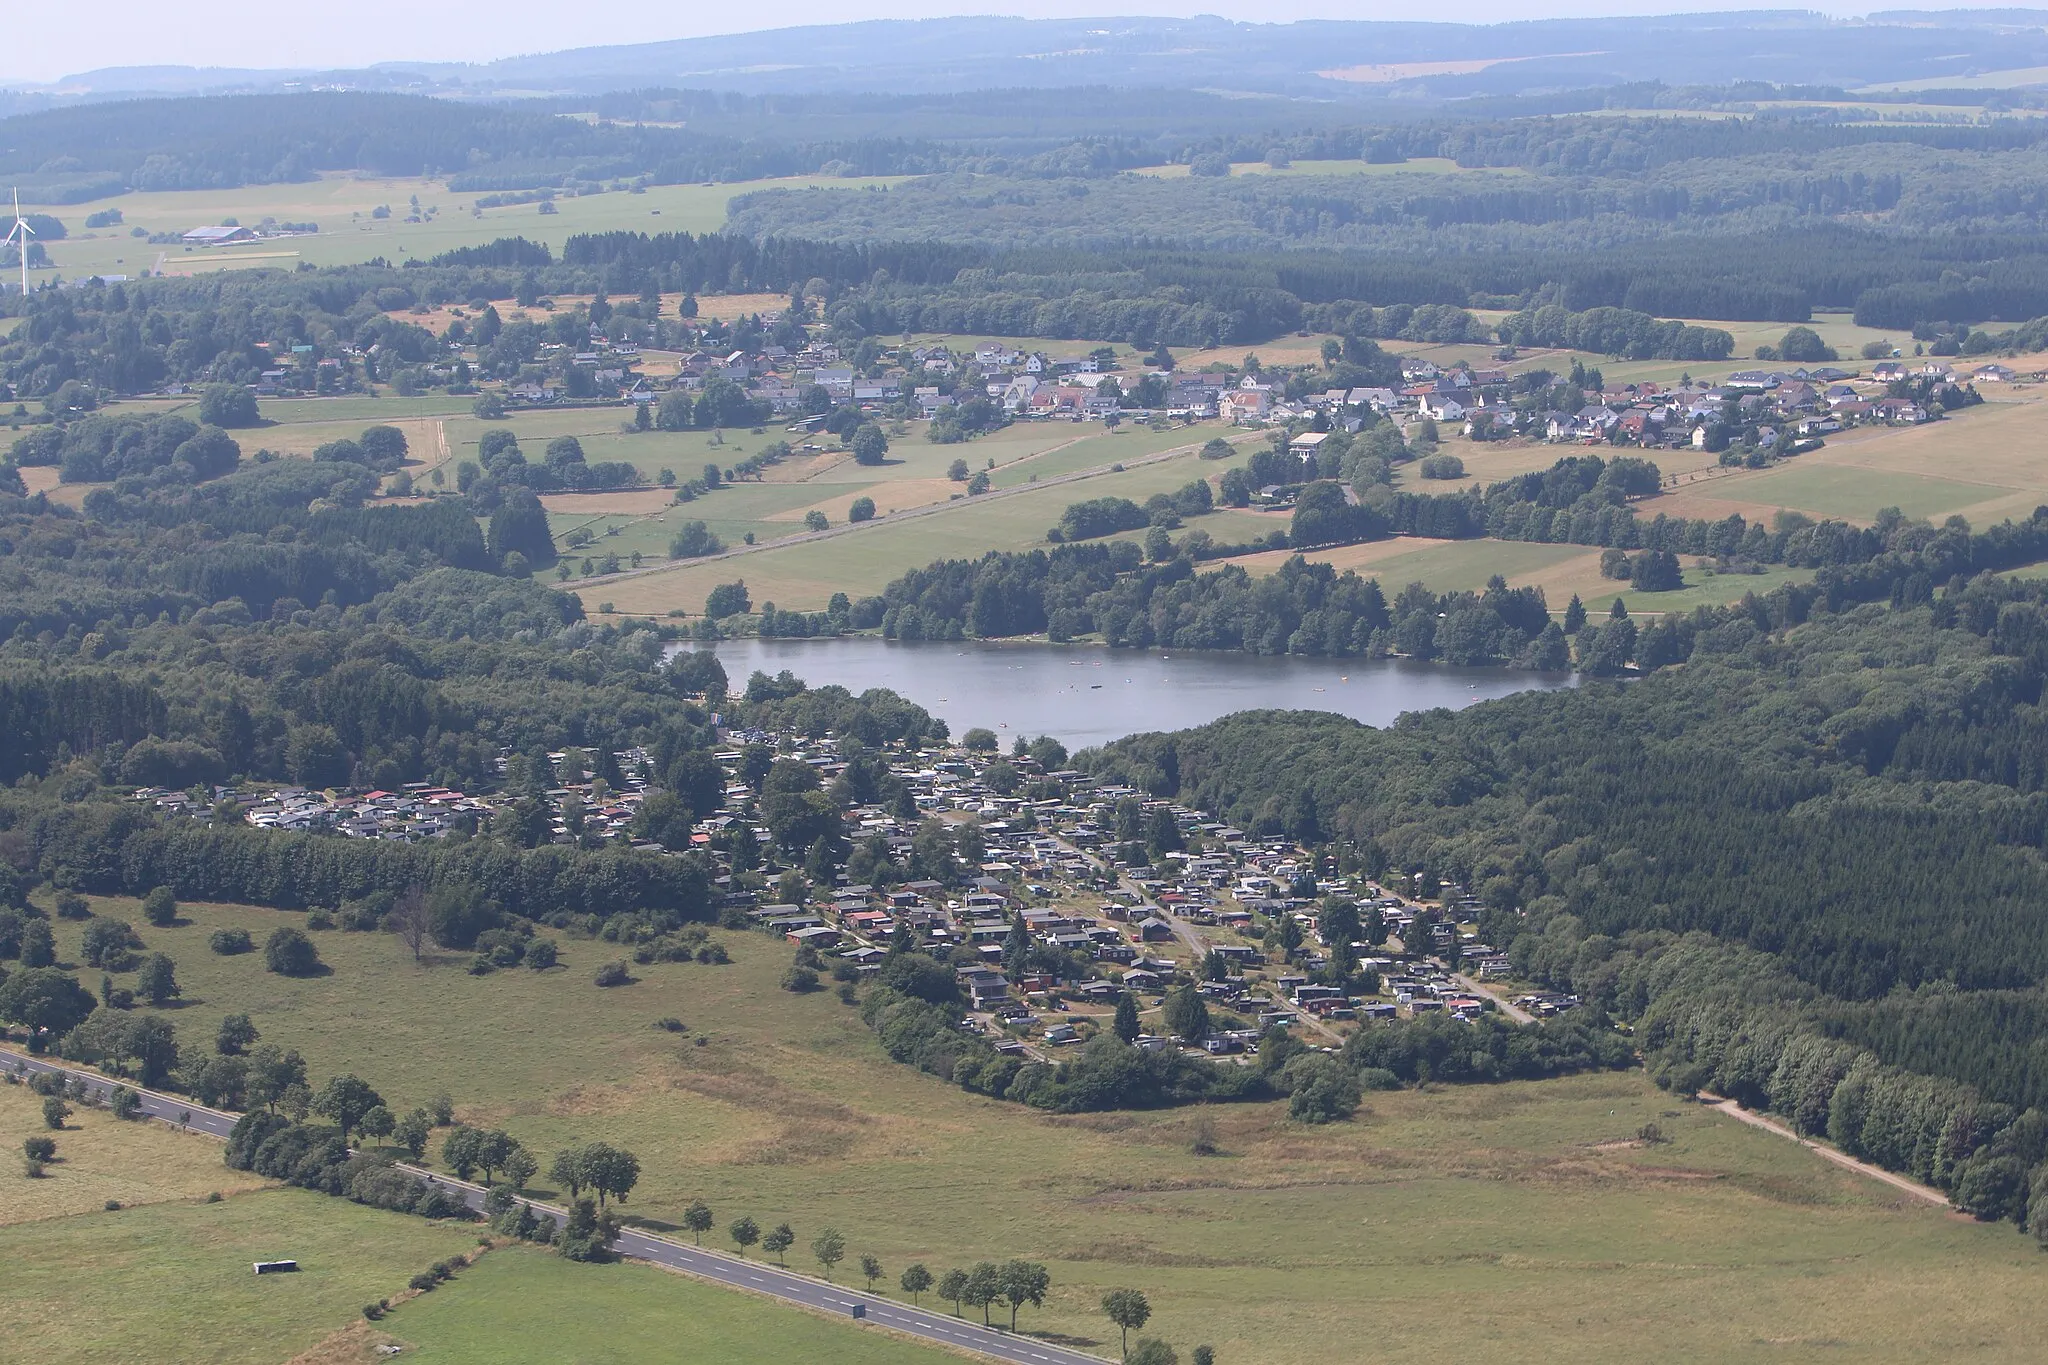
{"x":1046,"y":864}
{"x":1768,"y":408}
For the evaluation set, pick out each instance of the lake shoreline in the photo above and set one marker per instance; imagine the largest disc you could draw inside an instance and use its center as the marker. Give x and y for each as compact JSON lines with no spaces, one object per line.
{"x":1087,"y":692}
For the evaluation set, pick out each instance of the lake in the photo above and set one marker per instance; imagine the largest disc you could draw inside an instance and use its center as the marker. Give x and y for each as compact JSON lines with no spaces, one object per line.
{"x":1083,"y":695}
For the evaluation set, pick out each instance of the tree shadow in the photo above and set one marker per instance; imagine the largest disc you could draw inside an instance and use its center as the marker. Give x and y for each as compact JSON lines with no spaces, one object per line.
{"x":1063,"y":1339}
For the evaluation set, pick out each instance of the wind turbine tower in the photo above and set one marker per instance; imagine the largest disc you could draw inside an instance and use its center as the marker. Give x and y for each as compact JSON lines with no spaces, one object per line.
{"x":19,"y":235}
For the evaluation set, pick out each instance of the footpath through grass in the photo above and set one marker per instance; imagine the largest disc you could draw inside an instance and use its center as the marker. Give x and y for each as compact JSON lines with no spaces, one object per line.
{"x":1521,"y":1220}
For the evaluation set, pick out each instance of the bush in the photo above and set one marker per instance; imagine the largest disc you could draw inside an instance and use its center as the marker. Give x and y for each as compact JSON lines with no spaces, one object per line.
{"x":800,"y":980}
{"x":693,"y":541}
{"x":288,"y":952}
{"x":863,"y":509}
{"x":39,"y":1148}
{"x":229,"y":942}
{"x":613,"y":974}
{"x":1442,"y":467}
{"x":160,"y":907}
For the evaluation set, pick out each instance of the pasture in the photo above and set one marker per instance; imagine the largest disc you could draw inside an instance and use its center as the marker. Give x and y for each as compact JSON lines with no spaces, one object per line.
{"x":172,"y":1281}
{"x":521,"y":1306}
{"x":803,"y":575}
{"x":1530,"y":1207}
{"x":100,"y":1158}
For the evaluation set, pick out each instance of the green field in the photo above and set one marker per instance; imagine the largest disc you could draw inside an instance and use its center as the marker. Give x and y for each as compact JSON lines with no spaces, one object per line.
{"x":171,"y":1282}
{"x":343,"y":204}
{"x":1515,"y":1219}
{"x":525,"y":1307}
{"x":804,"y":575}
{"x":1844,"y":491}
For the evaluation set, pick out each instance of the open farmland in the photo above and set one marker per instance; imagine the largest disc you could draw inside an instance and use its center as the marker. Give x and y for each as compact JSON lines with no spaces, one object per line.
{"x":171,"y":1282}
{"x":100,"y":1157}
{"x":344,"y":205}
{"x":1984,"y":463}
{"x":524,"y":1307}
{"x":1526,"y":1204}
{"x":803,"y":575}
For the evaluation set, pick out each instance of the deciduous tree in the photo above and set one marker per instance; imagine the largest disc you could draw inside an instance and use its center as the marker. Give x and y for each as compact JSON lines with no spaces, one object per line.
{"x":1129,"y":1310}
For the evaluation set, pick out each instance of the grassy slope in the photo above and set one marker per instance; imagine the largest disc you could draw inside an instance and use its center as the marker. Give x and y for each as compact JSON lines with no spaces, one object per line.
{"x":1507,"y":1208}
{"x":524,"y":1307}
{"x":806,"y":574}
{"x":172,"y":1282}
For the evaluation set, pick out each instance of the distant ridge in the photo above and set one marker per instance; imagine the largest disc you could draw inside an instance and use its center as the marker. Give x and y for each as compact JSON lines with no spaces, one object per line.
{"x":960,"y":54}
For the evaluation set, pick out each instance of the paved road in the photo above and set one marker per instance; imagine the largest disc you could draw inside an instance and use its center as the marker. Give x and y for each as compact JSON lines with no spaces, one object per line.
{"x":933,"y":1325}
{"x":172,"y":1109}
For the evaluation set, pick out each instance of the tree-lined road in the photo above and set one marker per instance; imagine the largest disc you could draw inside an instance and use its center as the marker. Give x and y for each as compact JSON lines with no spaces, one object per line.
{"x":716,"y":1266}
{"x":172,"y":1109}
{"x":814,"y":1293}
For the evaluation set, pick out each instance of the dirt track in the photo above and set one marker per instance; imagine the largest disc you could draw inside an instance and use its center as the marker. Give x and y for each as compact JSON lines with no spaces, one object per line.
{"x":1842,"y":1159}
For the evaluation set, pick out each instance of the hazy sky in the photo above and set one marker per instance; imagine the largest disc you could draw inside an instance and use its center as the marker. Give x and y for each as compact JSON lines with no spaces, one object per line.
{"x":44,"y":40}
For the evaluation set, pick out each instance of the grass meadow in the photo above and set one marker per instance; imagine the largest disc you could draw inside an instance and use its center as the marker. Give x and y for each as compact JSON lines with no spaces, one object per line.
{"x":171,"y":1282}
{"x":100,"y":1158}
{"x":1520,"y":1220}
{"x":804,"y":575}
{"x":522,"y":1306}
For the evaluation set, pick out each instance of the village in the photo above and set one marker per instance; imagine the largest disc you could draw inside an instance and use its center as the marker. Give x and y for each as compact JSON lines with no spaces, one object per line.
{"x":1062,"y":876}
{"x":783,"y":369}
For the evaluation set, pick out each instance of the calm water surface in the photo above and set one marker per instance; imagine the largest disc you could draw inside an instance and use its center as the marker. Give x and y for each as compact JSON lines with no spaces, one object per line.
{"x":1086,"y":695}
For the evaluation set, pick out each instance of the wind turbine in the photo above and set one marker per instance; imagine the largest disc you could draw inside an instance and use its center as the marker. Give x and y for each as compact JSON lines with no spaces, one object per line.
{"x":22,"y":230}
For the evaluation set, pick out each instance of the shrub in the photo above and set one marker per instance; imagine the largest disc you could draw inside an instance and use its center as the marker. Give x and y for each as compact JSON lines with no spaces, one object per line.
{"x":228,"y":942}
{"x":800,"y":980}
{"x":160,"y":907}
{"x":39,"y":1148}
{"x":288,"y":952}
{"x":613,"y":974}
